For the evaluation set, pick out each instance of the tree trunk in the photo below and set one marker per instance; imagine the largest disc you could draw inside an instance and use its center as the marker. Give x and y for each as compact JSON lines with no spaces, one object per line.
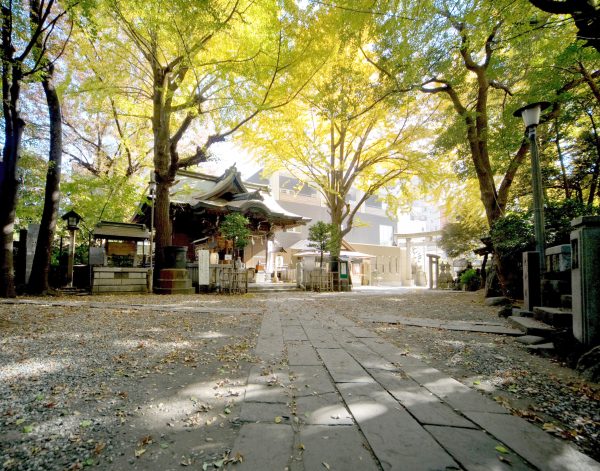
{"x":162,"y":224}
{"x":13,"y":132}
{"x":164,"y":169}
{"x":561,"y":159}
{"x":38,"y":281}
{"x":14,"y":126}
{"x":336,"y":244}
{"x":596,"y":170}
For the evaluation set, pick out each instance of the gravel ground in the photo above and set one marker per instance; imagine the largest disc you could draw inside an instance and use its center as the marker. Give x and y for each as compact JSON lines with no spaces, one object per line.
{"x":117,"y":388}
{"x":158,"y":387}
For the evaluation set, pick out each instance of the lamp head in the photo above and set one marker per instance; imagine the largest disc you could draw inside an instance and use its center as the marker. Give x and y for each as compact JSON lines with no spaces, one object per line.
{"x":72,"y":219}
{"x":531,"y":113}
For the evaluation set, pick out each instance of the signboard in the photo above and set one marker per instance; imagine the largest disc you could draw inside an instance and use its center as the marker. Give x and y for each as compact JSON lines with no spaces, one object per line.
{"x":203,"y":267}
{"x":343,"y":269}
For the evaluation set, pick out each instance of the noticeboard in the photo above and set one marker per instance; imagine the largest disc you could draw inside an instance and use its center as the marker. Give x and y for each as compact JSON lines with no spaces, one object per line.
{"x":203,"y":267}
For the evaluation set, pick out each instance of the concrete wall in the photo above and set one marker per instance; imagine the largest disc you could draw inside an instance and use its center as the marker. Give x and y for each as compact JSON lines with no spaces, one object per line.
{"x":387,"y":262}
{"x":120,"y":280}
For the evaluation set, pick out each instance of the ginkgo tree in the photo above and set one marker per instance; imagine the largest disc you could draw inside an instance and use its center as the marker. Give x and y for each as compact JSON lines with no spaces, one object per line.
{"x":341,"y":133}
{"x":477,"y":58}
{"x":199,"y":71}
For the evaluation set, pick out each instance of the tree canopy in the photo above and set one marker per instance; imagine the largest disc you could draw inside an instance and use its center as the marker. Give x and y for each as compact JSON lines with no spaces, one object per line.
{"x":378,"y":96}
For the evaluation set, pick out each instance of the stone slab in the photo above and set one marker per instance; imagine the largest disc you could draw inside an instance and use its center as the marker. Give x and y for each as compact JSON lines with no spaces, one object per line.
{"x":320,"y":338}
{"x":342,"y":367}
{"x":310,"y":380}
{"x":530,"y":339}
{"x":342,"y":448}
{"x":541,"y":347}
{"x":397,"y":439}
{"x":323,"y":409}
{"x":361,"y":332}
{"x":302,"y":353}
{"x":454,"y":393}
{"x":516,"y":311}
{"x":463,"y":326}
{"x":265,"y":385}
{"x":388,"y":351}
{"x":534,"y":445}
{"x":290,"y":320}
{"x":367,"y":358}
{"x":531,"y":326}
{"x":293,"y":332}
{"x":269,"y":346}
{"x":553,"y":316}
{"x":120,"y":289}
{"x":251,"y":441}
{"x":475,"y":450}
{"x":426,"y":407}
{"x":265,"y":412}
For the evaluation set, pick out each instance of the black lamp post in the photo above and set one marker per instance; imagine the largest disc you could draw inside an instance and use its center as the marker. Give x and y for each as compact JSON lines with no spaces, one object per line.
{"x":72,"y":219}
{"x":531,"y":117}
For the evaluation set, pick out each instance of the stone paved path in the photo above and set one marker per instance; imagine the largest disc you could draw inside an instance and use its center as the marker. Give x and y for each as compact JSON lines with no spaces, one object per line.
{"x":332,"y":395}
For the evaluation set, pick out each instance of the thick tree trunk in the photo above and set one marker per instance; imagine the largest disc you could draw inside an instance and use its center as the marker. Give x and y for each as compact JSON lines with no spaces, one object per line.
{"x":163,"y":167}
{"x":13,"y":131}
{"x":8,"y":195}
{"x":38,"y":281}
{"x":162,"y":223}
{"x":335,"y":248}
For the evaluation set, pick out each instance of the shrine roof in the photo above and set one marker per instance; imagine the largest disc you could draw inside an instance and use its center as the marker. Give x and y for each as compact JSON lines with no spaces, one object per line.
{"x":120,"y":231}
{"x":229,"y":193}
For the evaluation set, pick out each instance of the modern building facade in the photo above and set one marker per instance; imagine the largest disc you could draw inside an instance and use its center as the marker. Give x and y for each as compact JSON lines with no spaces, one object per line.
{"x":374,"y":233}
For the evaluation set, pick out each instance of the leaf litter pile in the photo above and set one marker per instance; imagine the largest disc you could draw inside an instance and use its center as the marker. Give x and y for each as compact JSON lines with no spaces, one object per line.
{"x":118,"y":387}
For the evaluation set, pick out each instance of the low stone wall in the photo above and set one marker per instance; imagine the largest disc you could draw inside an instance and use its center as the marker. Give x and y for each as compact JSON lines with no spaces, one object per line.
{"x":119,"y":280}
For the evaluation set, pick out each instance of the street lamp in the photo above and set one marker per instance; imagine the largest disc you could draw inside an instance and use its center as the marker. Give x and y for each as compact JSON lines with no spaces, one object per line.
{"x":531,"y":117}
{"x":72,"y":219}
{"x":152,"y":189}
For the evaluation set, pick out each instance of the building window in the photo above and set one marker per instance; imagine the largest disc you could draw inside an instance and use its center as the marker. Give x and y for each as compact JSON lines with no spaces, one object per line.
{"x":294,"y":186}
{"x":386,"y":234}
{"x":373,"y":202}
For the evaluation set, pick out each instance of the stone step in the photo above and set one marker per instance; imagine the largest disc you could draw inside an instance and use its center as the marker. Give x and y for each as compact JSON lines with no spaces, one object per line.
{"x":553,"y":316}
{"x":531,"y":339}
{"x":541,"y":348}
{"x":519,"y":312}
{"x":173,"y":273}
{"x":174,"y":284}
{"x":531,"y":326}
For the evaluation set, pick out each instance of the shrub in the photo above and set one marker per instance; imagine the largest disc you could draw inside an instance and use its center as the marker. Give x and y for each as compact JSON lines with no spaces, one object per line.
{"x":471,"y":279}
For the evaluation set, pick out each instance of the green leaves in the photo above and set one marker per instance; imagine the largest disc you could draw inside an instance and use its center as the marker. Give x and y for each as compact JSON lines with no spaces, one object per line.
{"x":235,"y":227}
